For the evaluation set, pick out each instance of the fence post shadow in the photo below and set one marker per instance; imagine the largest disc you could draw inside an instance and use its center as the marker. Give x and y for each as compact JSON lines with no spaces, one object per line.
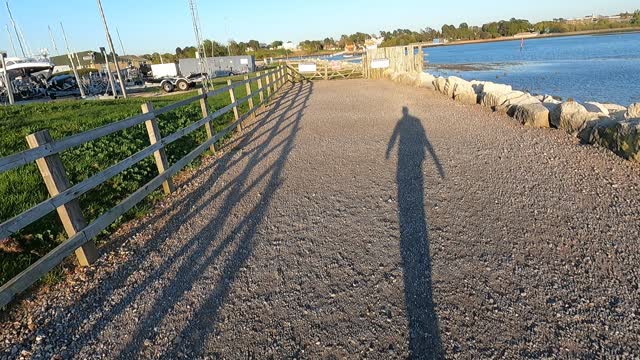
{"x":413,"y":146}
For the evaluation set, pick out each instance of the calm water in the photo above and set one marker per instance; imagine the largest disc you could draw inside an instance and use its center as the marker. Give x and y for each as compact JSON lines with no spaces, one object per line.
{"x":603,"y":68}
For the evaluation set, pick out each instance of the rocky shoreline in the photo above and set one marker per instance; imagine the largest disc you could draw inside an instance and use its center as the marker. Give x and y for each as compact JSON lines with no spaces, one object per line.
{"x":611,"y":126}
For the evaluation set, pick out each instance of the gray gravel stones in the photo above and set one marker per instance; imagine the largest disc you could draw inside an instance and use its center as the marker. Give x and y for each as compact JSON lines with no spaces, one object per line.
{"x":291,"y":245}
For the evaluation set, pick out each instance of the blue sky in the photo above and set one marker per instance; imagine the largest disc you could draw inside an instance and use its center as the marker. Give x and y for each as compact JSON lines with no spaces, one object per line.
{"x":162,"y":25}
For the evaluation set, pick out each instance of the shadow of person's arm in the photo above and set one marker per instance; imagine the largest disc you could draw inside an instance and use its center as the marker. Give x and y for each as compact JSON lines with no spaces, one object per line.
{"x":436,"y":160}
{"x":392,"y":141}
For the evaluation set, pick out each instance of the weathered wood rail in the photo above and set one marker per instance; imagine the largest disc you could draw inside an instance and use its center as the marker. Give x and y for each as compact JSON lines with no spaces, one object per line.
{"x":324,"y":70}
{"x":63,"y":196}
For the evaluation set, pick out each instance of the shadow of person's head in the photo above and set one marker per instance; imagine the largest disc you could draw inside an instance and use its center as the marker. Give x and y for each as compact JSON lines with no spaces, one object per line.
{"x":405,"y":111}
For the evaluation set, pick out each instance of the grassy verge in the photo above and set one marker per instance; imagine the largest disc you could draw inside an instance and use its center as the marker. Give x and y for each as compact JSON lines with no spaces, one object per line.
{"x":23,"y":187}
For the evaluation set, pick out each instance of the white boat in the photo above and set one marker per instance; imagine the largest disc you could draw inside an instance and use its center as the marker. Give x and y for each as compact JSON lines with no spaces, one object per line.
{"x":17,"y":67}
{"x":28,"y":77}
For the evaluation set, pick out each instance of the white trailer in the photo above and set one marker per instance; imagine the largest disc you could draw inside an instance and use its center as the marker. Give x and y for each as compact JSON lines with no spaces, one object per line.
{"x":170,"y":77}
{"x":164,"y":70}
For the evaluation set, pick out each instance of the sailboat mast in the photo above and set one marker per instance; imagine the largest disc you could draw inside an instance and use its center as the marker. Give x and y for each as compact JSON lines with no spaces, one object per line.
{"x":53,"y":40}
{"x":13,"y":46}
{"x":120,"y":40}
{"x":15,"y":28}
{"x":24,"y":41}
{"x":73,"y":65}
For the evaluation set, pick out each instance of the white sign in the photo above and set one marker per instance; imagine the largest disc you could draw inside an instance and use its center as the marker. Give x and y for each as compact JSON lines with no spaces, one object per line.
{"x":244,"y":61}
{"x":307,"y":68}
{"x":379,"y":63}
{"x":87,"y":58}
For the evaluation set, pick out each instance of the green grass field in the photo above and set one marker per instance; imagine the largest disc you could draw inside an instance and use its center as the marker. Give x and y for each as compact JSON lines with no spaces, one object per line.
{"x":23,"y":187}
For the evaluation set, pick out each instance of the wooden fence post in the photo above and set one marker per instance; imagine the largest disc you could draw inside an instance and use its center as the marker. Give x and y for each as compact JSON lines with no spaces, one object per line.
{"x":55,"y":179}
{"x":326,"y":72}
{"x":160,"y":156}
{"x":232,"y":95}
{"x":204,"y":107}
{"x":267,"y":80}
{"x":250,"y":101}
{"x":273,"y":81}
{"x":261,"y":93}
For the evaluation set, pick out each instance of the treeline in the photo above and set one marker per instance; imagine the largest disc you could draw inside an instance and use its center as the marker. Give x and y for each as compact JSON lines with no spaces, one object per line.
{"x":214,"y":49}
{"x":464,"y":31}
{"x":505,"y":28}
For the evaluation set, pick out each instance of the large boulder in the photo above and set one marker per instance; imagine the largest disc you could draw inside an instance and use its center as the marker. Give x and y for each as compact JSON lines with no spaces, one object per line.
{"x":491,"y":94}
{"x":426,"y":81}
{"x":451,"y":84}
{"x":508,"y":101}
{"x":532,"y":115}
{"x":478,"y":86}
{"x":614,"y":107}
{"x":615,"y":111}
{"x":633,"y":112}
{"x":465,"y":93}
{"x":439,"y":84}
{"x":571,"y":116}
{"x":621,"y":137}
{"x":596,"y":107}
{"x":549,"y":99}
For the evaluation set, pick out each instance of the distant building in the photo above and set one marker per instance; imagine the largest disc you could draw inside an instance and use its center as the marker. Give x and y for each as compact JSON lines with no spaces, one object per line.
{"x":373,"y":43}
{"x":350,"y":47}
{"x":595,"y":18}
{"x":289,"y":45}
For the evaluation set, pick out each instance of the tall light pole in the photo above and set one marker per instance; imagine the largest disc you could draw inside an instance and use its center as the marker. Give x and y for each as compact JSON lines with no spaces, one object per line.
{"x":113,"y":50}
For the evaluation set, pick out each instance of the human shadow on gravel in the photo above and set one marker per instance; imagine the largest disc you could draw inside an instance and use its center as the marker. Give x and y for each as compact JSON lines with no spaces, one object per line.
{"x":272,"y":138}
{"x":413,"y":146}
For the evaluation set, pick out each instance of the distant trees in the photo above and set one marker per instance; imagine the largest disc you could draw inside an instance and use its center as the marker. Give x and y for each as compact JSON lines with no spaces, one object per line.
{"x":464,"y":31}
{"x":254,"y":44}
{"x":311,"y":46}
{"x":328,"y":43}
{"x":236,"y":48}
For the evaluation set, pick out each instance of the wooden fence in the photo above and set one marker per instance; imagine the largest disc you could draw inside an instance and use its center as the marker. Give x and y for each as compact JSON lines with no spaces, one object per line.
{"x":326,"y":70}
{"x":397,"y":59}
{"x":64,"y":196}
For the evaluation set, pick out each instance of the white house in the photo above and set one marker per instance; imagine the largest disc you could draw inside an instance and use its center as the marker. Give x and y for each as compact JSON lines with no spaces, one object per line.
{"x":289,"y":45}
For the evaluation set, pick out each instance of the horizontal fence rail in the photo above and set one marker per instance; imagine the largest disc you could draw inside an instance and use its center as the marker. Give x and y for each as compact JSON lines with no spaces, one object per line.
{"x":268,"y":83}
{"x":323,"y":70}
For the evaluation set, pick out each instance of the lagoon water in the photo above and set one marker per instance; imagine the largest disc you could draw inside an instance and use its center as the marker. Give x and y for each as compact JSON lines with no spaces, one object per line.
{"x":603,"y":68}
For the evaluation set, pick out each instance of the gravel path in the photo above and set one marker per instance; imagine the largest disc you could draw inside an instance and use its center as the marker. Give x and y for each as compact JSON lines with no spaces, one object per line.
{"x":475,"y":238}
